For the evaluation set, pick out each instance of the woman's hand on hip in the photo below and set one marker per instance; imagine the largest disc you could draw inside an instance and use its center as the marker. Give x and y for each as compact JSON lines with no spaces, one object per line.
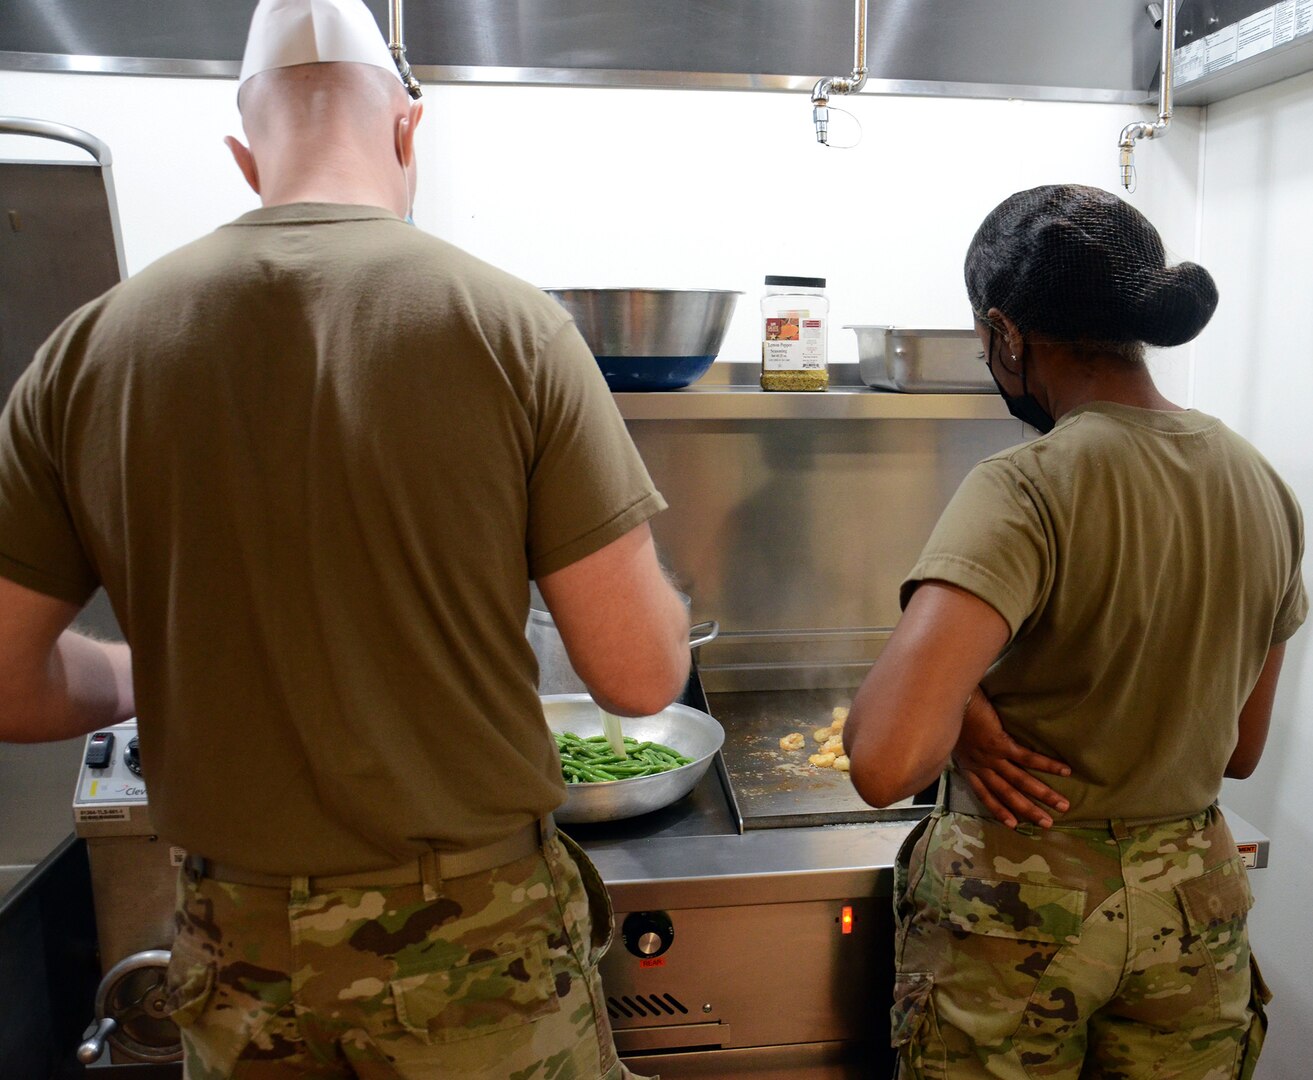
{"x":995,"y":765}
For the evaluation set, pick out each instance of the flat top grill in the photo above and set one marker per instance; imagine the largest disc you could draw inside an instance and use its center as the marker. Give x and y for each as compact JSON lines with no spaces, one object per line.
{"x":753,"y":783}
{"x":777,"y":788}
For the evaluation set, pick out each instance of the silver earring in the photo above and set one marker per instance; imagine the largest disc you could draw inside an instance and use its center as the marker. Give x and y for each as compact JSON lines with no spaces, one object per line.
{"x":1014,"y":358}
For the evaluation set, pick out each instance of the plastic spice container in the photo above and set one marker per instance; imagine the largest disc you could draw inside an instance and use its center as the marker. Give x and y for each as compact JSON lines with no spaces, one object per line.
{"x":795,"y":320}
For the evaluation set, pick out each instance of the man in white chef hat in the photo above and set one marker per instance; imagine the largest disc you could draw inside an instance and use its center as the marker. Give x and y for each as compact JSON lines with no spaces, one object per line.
{"x":319,"y":95}
{"x":315,"y":458}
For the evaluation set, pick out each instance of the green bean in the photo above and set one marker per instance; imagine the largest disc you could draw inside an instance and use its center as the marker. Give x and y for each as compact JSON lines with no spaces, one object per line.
{"x":590,"y":760}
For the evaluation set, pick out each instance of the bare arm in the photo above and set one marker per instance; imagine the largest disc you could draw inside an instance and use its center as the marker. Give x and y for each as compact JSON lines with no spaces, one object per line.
{"x":55,"y":684}
{"x":1256,"y":716}
{"x":907,"y":714}
{"x":995,"y":765}
{"x":624,"y":627}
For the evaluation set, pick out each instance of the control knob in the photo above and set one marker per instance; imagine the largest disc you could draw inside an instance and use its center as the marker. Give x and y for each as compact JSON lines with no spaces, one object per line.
{"x":647,"y":933}
{"x":132,"y":757}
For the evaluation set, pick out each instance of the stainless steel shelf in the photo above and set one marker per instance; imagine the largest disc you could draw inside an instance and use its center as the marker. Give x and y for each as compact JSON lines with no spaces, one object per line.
{"x":837,"y":403}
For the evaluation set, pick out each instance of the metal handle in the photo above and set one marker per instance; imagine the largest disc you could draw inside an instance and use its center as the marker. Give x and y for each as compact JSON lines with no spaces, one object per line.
{"x":46,"y":129}
{"x":94,"y":1038}
{"x":703,"y":632}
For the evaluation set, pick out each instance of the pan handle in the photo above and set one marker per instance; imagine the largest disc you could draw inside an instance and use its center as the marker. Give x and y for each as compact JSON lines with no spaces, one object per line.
{"x":702,"y":633}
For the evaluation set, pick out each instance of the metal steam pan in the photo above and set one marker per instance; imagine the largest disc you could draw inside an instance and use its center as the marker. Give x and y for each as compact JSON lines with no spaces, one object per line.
{"x":921,"y":361}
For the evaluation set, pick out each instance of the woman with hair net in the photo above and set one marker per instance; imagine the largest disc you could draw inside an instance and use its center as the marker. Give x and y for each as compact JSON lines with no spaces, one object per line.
{"x":1111,"y":601}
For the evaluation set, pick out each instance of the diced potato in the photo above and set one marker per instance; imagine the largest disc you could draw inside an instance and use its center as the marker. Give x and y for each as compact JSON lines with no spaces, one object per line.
{"x":822,"y":734}
{"x":840,"y":717}
{"x":822,"y":761}
{"x":792,"y":741}
{"x":832,"y":745}
{"x":841,"y":763}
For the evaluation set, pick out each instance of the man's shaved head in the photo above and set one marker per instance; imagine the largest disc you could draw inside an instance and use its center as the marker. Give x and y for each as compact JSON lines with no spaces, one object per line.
{"x":335,"y":131}
{"x":331,"y":93}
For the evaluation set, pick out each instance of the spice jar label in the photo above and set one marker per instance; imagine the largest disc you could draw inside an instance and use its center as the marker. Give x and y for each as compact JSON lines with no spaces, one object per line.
{"x":794,"y":314}
{"x":793,"y":341}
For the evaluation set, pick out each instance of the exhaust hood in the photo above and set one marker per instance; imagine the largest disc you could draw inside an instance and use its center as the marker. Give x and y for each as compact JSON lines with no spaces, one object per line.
{"x":1225,"y":47}
{"x":1056,"y":50}
{"x":1060,"y":50}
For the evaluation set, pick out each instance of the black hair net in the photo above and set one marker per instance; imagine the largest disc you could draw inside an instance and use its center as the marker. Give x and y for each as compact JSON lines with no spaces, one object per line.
{"x":1080,"y":264}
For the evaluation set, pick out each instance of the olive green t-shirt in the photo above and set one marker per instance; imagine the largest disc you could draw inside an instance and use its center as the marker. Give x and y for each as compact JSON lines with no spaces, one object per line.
{"x":315,"y":458}
{"x":1145,"y":563}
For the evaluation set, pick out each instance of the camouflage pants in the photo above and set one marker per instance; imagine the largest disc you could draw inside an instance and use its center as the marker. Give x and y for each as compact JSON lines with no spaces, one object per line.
{"x":496,"y":978}
{"x":1116,"y":952}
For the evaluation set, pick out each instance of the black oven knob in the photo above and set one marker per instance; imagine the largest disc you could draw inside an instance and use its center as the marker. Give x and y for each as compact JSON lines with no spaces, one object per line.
{"x":132,"y":757}
{"x":647,"y":933}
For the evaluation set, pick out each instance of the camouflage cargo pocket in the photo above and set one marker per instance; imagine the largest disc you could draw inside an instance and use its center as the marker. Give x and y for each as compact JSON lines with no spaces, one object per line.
{"x":600,"y":915}
{"x":216,"y":1019}
{"x":911,"y":1024}
{"x":190,"y":985}
{"x":1259,"y":997}
{"x":1216,"y":906}
{"x":1019,"y":910}
{"x":477,"y":998}
{"x":903,"y":904}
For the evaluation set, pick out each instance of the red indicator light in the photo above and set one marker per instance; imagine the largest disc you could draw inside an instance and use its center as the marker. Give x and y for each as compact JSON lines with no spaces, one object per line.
{"x":846,"y":919}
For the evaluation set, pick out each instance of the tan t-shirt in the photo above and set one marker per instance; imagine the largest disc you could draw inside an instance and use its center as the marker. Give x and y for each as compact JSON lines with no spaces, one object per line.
{"x":315,"y":458}
{"x":1145,"y":563}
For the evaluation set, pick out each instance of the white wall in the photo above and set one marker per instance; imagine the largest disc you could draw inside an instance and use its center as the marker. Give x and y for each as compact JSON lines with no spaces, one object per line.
{"x":664,"y":188}
{"x":1254,"y":368}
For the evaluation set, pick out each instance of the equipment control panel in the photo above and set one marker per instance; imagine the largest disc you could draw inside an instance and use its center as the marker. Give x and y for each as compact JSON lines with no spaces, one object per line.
{"x":110,"y":787}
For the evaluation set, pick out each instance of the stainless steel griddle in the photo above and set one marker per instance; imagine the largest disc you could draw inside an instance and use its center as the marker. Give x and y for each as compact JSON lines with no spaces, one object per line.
{"x":777,"y":788}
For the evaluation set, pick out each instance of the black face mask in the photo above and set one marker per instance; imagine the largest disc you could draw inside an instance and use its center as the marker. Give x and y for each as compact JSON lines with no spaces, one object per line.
{"x":1025,"y":407}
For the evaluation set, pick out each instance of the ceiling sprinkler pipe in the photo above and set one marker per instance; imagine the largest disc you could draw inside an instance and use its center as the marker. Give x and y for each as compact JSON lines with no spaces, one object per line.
{"x":1132,"y":133}
{"x":398,"y":50}
{"x":841,"y":84}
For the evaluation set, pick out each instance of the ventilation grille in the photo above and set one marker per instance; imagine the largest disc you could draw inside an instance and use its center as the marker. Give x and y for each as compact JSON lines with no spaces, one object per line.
{"x":645,"y":1005}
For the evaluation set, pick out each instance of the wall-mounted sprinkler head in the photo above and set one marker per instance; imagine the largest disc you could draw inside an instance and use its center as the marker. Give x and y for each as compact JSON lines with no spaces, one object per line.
{"x":841,"y":84}
{"x":821,"y":111}
{"x":398,"y":51}
{"x":1164,"y":17}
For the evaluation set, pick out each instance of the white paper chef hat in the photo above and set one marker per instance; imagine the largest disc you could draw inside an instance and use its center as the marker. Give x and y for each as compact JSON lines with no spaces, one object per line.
{"x":288,"y":32}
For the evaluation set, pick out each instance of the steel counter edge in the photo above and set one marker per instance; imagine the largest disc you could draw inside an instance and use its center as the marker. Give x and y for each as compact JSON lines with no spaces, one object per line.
{"x":772,"y":866}
{"x":764,"y":866}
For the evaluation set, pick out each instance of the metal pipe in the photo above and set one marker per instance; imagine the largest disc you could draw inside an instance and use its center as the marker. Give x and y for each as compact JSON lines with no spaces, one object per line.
{"x":1132,"y":133}
{"x":841,"y":84}
{"x":398,"y":50}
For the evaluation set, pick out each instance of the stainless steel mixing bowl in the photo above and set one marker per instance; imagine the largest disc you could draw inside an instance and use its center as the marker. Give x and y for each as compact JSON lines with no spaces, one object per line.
{"x":651,"y":339}
{"x":689,"y":731}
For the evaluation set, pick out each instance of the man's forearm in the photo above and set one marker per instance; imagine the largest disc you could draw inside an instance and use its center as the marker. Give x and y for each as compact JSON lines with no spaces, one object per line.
{"x":85,"y":685}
